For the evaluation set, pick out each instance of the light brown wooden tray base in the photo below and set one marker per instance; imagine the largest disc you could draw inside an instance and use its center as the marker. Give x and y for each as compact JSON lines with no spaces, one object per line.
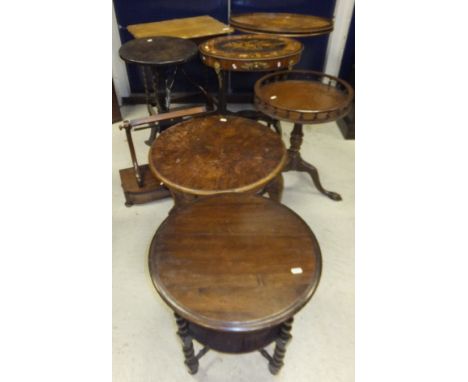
{"x":152,"y":188}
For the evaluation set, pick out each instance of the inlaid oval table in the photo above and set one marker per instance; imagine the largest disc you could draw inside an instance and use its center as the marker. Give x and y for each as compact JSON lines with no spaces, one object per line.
{"x":248,"y":53}
{"x":218,"y":154}
{"x":235,"y":269}
{"x":303,"y":97}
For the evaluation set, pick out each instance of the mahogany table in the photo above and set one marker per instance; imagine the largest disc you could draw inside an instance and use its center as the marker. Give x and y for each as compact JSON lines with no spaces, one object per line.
{"x":235,"y":269}
{"x":282,"y":24}
{"x":248,"y":53}
{"x":159,"y":58}
{"x":303,"y":97}
{"x":218,"y":154}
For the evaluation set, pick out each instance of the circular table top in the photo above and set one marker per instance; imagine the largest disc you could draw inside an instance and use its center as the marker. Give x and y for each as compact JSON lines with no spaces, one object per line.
{"x":303,"y":96}
{"x":235,"y":262}
{"x":209,"y":155}
{"x":286,"y":24}
{"x":251,"y":47}
{"x":159,"y":50}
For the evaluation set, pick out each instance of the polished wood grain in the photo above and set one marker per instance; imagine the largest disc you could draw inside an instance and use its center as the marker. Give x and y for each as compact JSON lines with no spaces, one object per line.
{"x":286,"y":24}
{"x":158,"y":51}
{"x":235,"y":262}
{"x":189,"y":27}
{"x":217,"y":154}
{"x":257,"y":52}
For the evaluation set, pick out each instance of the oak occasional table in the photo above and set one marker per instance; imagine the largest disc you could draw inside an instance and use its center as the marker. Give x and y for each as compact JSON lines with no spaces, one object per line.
{"x":235,"y":268}
{"x":303,"y":97}
{"x":248,"y":53}
{"x":159,"y":58}
{"x":217,"y":154}
{"x":283,"y":24}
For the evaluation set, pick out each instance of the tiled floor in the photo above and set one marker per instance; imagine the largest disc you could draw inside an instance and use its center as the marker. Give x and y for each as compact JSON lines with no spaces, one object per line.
{"x":145,"y":346}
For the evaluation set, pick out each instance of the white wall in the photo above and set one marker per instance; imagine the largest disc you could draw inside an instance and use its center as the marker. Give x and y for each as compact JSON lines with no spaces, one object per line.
{"x":337,"y":41}
{"x":119,"y":72}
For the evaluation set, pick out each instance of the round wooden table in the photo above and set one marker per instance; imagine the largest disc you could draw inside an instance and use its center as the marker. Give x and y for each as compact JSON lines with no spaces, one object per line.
{"x":283,"y":24}
{"x":159,"y":58}
{"x":218,"y":154}
{"x":248,"y":53}
{"x":303,"y":97}
{"x":235,"y":268}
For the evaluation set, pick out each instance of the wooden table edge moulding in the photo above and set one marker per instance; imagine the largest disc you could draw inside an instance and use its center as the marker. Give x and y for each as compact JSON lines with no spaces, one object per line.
{"x":206,"y":138}
{"x":303,"y":97}
{"x":234,"y":282}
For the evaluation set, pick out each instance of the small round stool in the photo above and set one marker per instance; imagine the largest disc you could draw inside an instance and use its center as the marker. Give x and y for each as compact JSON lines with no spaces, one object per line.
{"x":303,"y":97}
{"x":218,"y":154}
{"x":159,"y":58}
{"x":235,"y":269}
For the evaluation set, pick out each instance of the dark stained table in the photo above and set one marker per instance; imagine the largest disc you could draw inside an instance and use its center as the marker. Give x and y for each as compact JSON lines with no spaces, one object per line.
{"x":235,"y":268}
{"x":159,"y":58}
{"x":218,"y":154}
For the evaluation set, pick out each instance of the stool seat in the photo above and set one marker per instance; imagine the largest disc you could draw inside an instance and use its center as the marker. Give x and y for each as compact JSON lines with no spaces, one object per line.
{"x":216,"y":154}
{"x":235,"y":262}
{"x":158,"y":51}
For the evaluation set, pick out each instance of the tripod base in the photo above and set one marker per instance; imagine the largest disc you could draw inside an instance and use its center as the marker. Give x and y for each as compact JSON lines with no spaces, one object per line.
{"x":296,"y":163}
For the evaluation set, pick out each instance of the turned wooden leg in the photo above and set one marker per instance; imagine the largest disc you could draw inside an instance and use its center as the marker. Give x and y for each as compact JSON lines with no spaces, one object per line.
{"x":191,"y":360}
{"x":276,"y":363}
{"x":296,"y":163}
{"x":274,"y":189}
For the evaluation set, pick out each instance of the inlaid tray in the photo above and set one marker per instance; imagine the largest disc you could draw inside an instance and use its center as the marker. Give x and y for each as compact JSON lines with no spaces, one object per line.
{"x":302,"y":96}
{"x":286,"y":24}
{"x":255,"y":52}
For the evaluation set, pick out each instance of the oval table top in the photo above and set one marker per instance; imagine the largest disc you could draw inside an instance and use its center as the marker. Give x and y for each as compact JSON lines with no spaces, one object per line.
{"x":251,"y":47}
{"x":285,"y":24}
{"x":235,"y":262}
{"x":158,"y":50}
{"x":215,"y":154}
